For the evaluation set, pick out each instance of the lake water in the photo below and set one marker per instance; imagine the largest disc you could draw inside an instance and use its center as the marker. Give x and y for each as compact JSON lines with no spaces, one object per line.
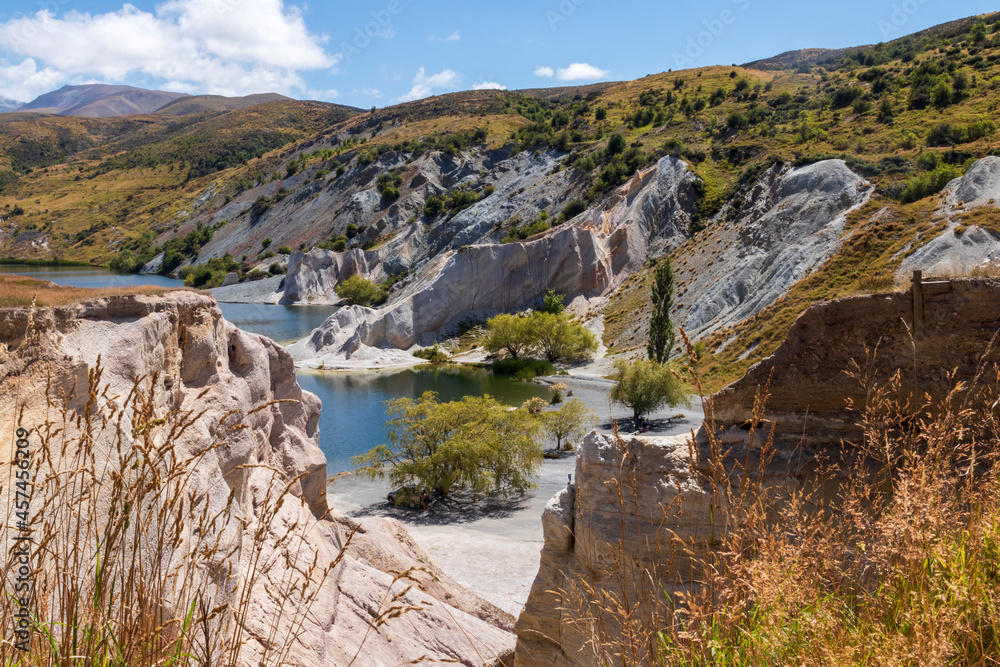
{"x":353,"y":417}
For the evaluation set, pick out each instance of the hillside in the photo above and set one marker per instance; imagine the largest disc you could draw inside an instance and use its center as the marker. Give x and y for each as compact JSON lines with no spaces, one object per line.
{"x":204,"y":103}
{"x":100,"y":101}
{"x":887,"y":126}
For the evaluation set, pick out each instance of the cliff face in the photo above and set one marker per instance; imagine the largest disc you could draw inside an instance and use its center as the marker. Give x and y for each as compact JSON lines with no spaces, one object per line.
{"x":204,"y":366}
{"x":588,"y":257}
{"x":594,"y":537}
{"x":809,"y":388}
{"x":590,"y":531}
{"x":788,"y":224}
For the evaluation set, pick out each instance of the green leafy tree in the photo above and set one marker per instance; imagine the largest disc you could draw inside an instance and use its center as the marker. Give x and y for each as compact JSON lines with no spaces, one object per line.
{"x":476,"y":444}
{"x":558,"y":337}
{"x":125,"y":262}
{"x":357,"y":291}
{"x":646,"y":386}
{"x":616,"y":144}
{"x":571,"y":422}
{"x":661,"y":329}
{"x":552,"y":302}
{"x":510,"y":333}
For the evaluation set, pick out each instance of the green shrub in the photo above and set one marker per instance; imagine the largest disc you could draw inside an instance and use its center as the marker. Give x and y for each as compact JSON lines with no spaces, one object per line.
{"x":358,"y":291}
{"x":125,"y":262}
{"x":435,"y":354}
{"x":284,"y":250}
{"x":928,"y":183}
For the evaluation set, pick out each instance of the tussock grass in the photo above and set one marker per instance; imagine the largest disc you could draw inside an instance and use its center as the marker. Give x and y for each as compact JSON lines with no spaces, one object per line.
{"x":897,"y":567}
{"x":20,"y":291}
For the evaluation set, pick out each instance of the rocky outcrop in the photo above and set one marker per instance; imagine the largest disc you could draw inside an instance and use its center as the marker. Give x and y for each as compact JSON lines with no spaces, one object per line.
{"x":958,"y":250}
{"x":810,"y":388}
{"x":588,"y":256}
{"x":242,"y":387}
{"x":604,"y":547}
{"x":789,"y":223}
{"x":978,"y":187}
{"x":591,"y":534}
{"x":317,"y":273}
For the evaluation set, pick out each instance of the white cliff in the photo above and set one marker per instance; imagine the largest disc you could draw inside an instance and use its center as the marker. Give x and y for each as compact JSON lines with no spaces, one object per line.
{"x":589,"y":256}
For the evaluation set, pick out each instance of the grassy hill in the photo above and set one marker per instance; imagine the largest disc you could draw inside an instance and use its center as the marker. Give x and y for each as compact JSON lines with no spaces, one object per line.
{"x":908,"y":115}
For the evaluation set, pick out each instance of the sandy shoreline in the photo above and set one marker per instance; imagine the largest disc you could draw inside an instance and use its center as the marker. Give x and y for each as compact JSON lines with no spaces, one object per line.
{"x":492,"y":547}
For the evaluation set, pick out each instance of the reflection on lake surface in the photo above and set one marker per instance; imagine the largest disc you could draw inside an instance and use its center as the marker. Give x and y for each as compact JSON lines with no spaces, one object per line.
{"x":353,"y":418}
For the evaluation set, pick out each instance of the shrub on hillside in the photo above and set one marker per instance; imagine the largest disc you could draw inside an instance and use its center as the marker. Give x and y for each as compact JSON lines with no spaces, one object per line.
{"x":928,"y":183}
{"x":358,"y":291}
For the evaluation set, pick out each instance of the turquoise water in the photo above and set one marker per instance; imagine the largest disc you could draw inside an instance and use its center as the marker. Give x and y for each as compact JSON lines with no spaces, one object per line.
{"x":353,"y":417}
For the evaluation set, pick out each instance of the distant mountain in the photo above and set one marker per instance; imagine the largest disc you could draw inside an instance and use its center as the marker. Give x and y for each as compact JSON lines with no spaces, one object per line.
{"x":203,"y":103}
{"x":101,"y":101}
{"x":7,"y":104}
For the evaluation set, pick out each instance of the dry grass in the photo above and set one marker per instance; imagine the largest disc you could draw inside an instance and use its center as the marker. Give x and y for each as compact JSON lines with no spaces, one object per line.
{"x":898,"y":567}
{"x":19,"y":292}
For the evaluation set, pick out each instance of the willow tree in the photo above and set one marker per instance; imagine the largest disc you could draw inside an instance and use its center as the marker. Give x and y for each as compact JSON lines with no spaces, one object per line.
{"x":661,"y":329}
{"x":475,"y":444}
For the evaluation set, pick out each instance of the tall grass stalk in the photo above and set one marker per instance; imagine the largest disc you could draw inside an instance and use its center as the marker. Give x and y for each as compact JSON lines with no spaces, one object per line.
{"x":139,"y":557}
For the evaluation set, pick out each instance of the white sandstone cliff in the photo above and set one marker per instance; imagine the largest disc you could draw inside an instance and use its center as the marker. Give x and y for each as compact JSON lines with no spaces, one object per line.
{"x":589,"y":256}
{"x":205,"y":366}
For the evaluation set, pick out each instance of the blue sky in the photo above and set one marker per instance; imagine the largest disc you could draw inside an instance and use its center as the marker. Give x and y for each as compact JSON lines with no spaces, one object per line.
{"x":375,"y":53}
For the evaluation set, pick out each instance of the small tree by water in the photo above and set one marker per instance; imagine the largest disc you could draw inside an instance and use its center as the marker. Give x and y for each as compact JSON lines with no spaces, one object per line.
{"x":475,"y":445}
{"x":645,"y":386}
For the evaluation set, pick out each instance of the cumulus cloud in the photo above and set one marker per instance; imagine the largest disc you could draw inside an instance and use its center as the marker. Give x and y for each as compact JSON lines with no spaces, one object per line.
{"x":228,"y":47}
{"x":453,"y":37}
{"x":547,"y":72}
{"x":581,"y":72}
{"x":489,"y":85}
{"x":424,"y":86}
{"x":24,"y":82}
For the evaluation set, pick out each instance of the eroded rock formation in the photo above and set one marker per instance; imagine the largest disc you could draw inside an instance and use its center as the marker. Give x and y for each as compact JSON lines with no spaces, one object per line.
{"x":202,"y":364}
{"x":810,"y":387}
{"x":787,"y":225}
{"x":591,"y":533}
{"x":588,"y":256}
{"x":958,"y":249}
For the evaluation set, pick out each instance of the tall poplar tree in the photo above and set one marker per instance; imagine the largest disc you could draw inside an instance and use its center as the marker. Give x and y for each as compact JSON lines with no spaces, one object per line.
{"x":661,"y":329}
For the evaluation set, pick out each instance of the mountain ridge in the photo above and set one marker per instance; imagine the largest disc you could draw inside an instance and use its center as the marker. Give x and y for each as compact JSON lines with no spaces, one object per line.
{"x":413,"y":182}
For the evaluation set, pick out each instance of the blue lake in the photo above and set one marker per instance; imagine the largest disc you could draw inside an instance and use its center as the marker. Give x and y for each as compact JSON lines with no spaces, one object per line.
{"x":353,"y":418}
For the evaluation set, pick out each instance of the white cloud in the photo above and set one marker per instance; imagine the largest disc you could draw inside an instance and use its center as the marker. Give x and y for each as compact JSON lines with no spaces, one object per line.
{"x":322,"y":95}
{"x":372,"y":92}
{"x":25,"y":82}
{"x":489,"y":85}
{"x":229,"y":47}
{"x":453,"y":37}
{"x":423,"y":85}
{"x":547,"y":72}
{"x":581,"y":71}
